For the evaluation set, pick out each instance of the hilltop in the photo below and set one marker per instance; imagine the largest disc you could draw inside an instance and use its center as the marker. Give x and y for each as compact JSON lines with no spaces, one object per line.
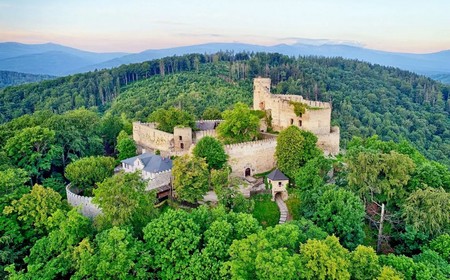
{"x":367,"y":99}
{"x":58,"y":60}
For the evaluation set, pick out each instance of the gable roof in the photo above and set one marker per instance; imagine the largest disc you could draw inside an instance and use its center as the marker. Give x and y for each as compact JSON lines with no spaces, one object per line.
{"x":152,"y":163}
{"x":207,"y":125}
{"x":277,"y":175}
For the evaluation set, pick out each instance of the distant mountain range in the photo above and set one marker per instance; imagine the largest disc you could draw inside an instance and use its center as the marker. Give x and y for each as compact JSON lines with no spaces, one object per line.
{"x":58,"y":60}
{"x":48,"y":59}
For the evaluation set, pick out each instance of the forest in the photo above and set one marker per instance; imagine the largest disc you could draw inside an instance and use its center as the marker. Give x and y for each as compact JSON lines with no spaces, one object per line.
{"x":379,"y":211}
{"x":367,"y":99}
{"x":9,"y":78}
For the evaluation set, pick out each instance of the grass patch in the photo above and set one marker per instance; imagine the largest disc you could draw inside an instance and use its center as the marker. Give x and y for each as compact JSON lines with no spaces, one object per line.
{"x":266,"y":211}
{"x":261,"y":175}
{"x":293,"y":204}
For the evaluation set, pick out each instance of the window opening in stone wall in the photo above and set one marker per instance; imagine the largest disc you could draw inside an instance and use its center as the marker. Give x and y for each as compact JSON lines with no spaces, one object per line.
{"x":182,"y":146}
{"x":180,"y":137}
{"x":299,"y":123}
{"x":292,"y":121}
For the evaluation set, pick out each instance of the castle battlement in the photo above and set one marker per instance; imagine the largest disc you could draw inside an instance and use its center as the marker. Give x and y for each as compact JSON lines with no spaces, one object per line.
{"x":87,"y":207}
{"x":251,"y":157}
{"x":298,"y":98}
{"x":316,"y":118}
{"x":251,"y":144}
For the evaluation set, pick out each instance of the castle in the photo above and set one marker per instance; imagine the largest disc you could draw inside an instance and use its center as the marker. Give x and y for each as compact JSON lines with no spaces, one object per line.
{"x":316,"y":118}
{"x":253,"y":157}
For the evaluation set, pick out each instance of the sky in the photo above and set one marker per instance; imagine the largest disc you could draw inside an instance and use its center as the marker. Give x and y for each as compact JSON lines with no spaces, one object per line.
{"x":136,"y":25}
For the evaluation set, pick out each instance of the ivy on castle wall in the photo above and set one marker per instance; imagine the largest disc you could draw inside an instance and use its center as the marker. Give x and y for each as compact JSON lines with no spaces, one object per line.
{"x":299,"y":108}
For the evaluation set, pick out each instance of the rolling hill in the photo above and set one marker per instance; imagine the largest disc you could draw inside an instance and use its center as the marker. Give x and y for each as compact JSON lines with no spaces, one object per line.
{"x":48,"y":59}
{"x":367,"y":99}
{"x":8,"y":78}
{"x":53,"y":59}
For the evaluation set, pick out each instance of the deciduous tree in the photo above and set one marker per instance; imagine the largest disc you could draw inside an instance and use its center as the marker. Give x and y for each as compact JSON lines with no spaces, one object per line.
{"x":324,"y":259}
{"x":126,"y":147}
{"x":342,"y":213}
{"x":34,"y":149}
{"x":364,"y":263}
{"x":190,"y":178}
{"x":212,"y":113}
{"x":239,"y":125}
{"x":35,"y":208}
{"x":124,"y":201}
{"x":114,"y":254}
{"x":167,"y":119}
{"x":428,"y":210}
{"x":212,"y":151}
{"x":11,"y":179}
{"x":294,"y":148}
{"x":78,"y":133}
{"x":85,"y":173}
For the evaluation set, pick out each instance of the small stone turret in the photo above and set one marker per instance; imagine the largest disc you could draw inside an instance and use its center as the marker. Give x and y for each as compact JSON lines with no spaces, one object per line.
{"x":182,"y":138}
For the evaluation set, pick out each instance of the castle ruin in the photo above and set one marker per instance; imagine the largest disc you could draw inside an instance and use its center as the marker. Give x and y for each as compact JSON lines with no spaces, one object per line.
{"x":316,"y":118}
{"x":248,"y":158}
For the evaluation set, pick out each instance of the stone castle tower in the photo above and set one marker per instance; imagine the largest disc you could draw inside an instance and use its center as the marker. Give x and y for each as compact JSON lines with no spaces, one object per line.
{"x":316,"y":119}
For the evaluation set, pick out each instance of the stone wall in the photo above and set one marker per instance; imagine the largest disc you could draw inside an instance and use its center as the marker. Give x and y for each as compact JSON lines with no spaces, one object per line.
{"x":87,"y":208}
{"x":258,"y":156}
{"x":329,"y":143}
{"x":316,"y":119}
{"x":202,"y":133}
{"x":148,"y":137}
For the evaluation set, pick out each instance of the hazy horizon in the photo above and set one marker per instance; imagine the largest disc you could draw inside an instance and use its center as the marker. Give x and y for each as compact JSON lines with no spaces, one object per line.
{"x":116,"y":26}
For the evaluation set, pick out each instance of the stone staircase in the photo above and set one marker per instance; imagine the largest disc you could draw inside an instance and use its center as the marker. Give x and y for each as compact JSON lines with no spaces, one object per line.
{"x":283,"y":209}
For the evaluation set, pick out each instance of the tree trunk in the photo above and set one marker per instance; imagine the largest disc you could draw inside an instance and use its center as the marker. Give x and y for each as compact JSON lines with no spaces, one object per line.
{"x":380,"y":229}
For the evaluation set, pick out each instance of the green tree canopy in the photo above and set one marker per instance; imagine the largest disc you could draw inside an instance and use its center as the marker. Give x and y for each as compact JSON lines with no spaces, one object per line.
{"x":388,"y":273}
{"x":254,"y":256}
{"x":364,"y":263}
{"x":114,"y":254}
{"x":35,"y":208}
{"x":34,"y":149}
{"x":212,"y":113}
{"x":212,"y":151}
{"x":167,"y":119}
{"x":126,"y":147}
{"x":190,"y":178}
{"x":12,"y":179}
{"x":124,"y":201}
{"x":324,"y":259}
{"x":342,"y":213}
{"x":428,"y":210}
{"x":51,"y":256}
{"x":441,"y":245}
{"x":239,"y":125}
{"x":78,"y":133}
{"x":85,"y":173}
{"x":372,"y":173}
{"x":110,"y":127}
{"x":294,"y":148}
